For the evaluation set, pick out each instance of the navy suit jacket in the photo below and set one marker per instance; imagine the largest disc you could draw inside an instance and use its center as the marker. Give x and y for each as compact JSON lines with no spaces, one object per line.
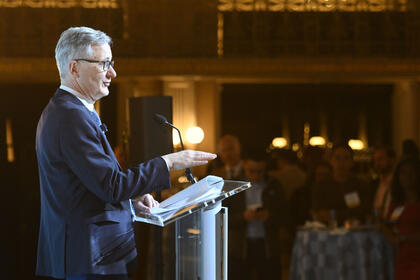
{"x":86,"y":224}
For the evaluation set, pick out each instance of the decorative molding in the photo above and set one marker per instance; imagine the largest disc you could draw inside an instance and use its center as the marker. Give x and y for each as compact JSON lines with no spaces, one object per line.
{"x":312,"y":5}
{"x":154,"y":29}
{"x":242,"y":70}
{"x":88,"y":4}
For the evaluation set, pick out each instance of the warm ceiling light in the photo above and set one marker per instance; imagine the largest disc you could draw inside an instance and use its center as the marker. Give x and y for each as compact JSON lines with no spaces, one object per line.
{"x":279,"y":142}
{"x":195,"y":135}
{"x":356,"y":144}
{"x":317,"y":141}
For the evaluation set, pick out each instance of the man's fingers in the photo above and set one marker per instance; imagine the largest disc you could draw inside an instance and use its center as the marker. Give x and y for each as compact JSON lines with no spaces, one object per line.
{"x":197,"y":163}
{"x":187,"y":158}
{"x":204,"y":156}
{"x":148,"y":200}
{"x":141,"y":206}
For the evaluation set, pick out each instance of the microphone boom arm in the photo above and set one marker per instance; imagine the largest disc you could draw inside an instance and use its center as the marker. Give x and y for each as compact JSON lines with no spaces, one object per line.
{"x":162,"y":120}
{"x":188,"y":172}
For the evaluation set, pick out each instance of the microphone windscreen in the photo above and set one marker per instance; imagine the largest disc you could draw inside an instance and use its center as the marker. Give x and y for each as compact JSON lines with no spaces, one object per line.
{"x":160,"y":119}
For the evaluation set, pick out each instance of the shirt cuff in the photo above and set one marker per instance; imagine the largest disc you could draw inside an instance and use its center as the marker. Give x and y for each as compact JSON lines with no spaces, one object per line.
{"x":167,"y":165}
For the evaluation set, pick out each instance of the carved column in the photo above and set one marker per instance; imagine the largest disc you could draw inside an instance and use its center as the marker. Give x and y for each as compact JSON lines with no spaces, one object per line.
{"x":405,"y":113}
{"x":195,"y":103}
{"x":182,"y":91}
{"x":208,"y":113}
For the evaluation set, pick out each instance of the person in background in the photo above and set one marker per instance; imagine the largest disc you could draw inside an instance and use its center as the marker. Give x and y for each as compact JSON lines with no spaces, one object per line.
{"x":301,"y":201}
{"x":409,"y":149}
{"x":288,"y":173}
{"x":256,"y":216}
{"x":229,"y":151}
{"x":384,"y":160}
{"x":311,"y":157}
{"x":291,"y":177}
{"x":348,"y":196}
{"x":403,"y":231}
{"x":231,"y":168}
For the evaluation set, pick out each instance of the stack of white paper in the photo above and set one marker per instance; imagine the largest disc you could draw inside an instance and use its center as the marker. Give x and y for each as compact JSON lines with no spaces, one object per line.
{"x":205,"y":189}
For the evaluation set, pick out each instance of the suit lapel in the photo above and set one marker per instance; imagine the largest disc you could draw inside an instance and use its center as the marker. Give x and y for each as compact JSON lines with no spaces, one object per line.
{"x":107,"y":148}
{"x":105,"y":144}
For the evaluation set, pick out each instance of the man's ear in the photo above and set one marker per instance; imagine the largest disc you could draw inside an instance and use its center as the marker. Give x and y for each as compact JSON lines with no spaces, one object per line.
{"x":74,"y":68}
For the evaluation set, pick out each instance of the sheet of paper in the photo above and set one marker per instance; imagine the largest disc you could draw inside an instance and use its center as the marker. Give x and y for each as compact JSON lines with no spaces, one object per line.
{"x":205,"y":189}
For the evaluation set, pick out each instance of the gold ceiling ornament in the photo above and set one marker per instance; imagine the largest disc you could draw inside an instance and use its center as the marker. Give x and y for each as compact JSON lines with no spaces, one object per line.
{"x":220,"y":23}
{"x":88,"y":4}
{"x":312,"y":5}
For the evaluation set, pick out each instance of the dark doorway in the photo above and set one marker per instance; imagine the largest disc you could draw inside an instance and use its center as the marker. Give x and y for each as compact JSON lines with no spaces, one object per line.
{"x":20,"y":108}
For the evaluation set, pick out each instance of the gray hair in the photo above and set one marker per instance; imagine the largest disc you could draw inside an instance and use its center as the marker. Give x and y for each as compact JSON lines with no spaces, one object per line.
{"x":76,"y":42}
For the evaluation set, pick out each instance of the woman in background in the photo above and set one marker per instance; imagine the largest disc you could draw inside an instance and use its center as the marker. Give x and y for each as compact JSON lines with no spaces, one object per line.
{"x":405,"y":219}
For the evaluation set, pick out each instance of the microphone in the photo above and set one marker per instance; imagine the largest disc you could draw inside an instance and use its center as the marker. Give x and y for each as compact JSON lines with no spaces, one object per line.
{"x":163,"y":121}
{"x":104,"y":128}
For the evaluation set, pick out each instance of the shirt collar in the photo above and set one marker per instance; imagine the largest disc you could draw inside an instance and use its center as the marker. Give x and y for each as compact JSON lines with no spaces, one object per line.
{"x":89,"y":106}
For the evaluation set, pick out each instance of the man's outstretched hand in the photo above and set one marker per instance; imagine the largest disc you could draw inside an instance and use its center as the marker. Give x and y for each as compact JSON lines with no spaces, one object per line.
{"x":187,"y":158}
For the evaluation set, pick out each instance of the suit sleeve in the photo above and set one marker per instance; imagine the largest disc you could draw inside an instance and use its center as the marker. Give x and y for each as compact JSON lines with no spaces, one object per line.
{"x":83,"y":152}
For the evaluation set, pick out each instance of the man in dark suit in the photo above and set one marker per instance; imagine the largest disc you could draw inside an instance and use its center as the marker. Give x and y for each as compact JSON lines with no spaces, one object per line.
{"x":255,"y":218}
{"x":86,"y":226}
{"x":231,"y":168}
{"x":348,"y":196}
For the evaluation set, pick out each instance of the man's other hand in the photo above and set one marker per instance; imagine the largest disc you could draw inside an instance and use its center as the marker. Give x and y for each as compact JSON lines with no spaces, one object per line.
{"x":187,"y":158}
{"x":145,"y":203}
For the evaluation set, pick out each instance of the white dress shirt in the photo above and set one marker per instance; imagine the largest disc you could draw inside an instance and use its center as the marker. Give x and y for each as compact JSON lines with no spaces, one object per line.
{"x":88,"y":105}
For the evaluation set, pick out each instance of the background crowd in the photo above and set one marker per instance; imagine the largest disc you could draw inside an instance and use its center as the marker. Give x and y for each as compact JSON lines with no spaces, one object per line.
{"x":326,"y":186}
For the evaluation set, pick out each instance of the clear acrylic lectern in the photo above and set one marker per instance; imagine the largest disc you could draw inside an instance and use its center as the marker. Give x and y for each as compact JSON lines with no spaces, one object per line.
{"x":201,"y":230}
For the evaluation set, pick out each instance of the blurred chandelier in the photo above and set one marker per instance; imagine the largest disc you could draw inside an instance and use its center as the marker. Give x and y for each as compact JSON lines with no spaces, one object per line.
{"x":89,"y":4}
{"x":312,"y":5}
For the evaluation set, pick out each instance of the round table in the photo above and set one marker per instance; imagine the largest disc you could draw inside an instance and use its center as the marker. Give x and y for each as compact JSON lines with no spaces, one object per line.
{"x":325,"y":255}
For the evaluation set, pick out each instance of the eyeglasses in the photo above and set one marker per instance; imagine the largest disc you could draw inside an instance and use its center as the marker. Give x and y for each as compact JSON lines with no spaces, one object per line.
{"x":105,"y":64}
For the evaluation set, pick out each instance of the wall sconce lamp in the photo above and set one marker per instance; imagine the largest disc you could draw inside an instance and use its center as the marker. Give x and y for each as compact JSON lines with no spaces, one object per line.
{"x":317,"y":141}
{"x":356,"y":144}
{"x":279,"y":142}
{"x":195,"y":135}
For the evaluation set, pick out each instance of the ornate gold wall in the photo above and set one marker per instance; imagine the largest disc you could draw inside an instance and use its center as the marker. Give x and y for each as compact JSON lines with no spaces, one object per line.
{"x":219,"y":28}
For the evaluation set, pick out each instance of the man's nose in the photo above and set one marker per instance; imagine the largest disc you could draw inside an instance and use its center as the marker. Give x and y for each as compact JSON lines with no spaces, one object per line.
{"x":111,"y":72}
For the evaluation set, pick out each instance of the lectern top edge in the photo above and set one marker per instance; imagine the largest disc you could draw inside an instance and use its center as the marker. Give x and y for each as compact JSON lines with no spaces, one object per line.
{"x":229,"y":188}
